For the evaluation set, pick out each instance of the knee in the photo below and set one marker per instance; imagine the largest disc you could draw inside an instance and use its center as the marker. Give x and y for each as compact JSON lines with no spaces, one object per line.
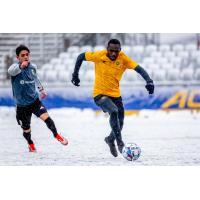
{"x":44,"y":116}
{"x":26,"y":128}
{"x":114,"y":111}
{"x":25,"y":134}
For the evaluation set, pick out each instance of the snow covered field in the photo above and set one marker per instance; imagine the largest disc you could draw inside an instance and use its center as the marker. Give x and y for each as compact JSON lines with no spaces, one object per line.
{"x":165,"y":139}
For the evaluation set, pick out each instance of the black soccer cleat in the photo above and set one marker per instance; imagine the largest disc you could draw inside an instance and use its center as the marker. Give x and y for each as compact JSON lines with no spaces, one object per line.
{"x":112,"y":147}
{"x":120,"y":146}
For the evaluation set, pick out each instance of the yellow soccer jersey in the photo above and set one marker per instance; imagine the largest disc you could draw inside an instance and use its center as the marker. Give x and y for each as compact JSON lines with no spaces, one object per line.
{"x":108,"y":73}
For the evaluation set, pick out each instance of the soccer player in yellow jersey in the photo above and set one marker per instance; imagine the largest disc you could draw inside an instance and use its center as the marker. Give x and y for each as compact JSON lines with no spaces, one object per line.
{"x":110,"y":65}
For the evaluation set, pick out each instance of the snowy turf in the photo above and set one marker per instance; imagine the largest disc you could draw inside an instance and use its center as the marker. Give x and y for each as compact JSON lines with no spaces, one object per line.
{"x":165,"y":139}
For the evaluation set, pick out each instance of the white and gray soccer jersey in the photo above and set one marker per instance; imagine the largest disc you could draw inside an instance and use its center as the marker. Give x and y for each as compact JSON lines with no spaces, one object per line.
{"x":24,"y":84}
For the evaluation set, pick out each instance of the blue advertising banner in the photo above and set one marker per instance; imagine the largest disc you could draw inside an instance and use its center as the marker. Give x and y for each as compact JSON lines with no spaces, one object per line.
{"x":134,"y":98}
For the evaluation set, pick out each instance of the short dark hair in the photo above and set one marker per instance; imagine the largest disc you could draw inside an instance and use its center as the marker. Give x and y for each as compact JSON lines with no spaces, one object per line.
{"x":21,"y":48}
{"x":114,"y":41}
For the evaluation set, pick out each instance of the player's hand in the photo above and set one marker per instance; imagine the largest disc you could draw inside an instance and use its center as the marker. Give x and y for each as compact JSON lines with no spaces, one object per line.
{"x":150,"y":87}
{"x":24,"y":64}
{"x":75,"y":79}
{"x":43,"y":94}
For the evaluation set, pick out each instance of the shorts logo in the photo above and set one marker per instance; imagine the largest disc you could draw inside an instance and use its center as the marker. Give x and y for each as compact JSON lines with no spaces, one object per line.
{"x":22,"y":82}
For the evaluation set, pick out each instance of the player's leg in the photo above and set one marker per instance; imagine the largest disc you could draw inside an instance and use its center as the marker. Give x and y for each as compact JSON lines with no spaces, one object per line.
{"x":41,"y":112}
{"x":107,"y":105}
{"x":27,"y":136}
{"x":119,"y":104}
{"x":23,"y":116}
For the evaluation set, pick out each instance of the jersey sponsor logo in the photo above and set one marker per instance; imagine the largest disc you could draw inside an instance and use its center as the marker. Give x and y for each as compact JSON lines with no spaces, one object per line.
{"x":117,"y":63}
{"x":22,"y":82}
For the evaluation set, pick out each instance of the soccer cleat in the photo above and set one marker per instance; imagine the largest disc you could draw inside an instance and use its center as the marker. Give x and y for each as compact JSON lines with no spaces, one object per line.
{"x":120,"y":146}
{"x":112,"y":147}
{"x":61,"y":139}
{"x":32,"y":148}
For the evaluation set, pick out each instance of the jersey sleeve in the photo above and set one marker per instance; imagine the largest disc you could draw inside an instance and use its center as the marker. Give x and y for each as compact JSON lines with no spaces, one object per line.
{"x":92,"y":56}
{"x":129,"y":63}
{"x":14,"y":69}
{"x":37,"y":80}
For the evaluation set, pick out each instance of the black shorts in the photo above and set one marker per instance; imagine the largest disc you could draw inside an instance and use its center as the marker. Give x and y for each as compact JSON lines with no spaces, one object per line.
{"x":24,"y":113}
{"x":117,"y":101}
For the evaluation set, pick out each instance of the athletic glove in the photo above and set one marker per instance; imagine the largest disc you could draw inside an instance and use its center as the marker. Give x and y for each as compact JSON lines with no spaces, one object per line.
{"x":75,"y":79}
{"x":150,"y":87}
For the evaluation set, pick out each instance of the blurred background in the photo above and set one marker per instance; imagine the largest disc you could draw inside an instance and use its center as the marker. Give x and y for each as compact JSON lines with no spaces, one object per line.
{"x":171,"y":59}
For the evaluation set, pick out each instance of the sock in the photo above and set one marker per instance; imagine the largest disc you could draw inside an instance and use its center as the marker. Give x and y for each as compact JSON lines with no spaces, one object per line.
{"x":27,"y":136}
{"x":50,"y":124}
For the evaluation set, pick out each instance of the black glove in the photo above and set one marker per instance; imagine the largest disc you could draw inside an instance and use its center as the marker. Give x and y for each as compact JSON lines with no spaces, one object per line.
{"x":150,"y":87}
{"x":75,"y":79}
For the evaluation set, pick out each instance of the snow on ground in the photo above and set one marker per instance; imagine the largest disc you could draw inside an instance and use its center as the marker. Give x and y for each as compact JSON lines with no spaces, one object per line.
{"x":165,"y":139}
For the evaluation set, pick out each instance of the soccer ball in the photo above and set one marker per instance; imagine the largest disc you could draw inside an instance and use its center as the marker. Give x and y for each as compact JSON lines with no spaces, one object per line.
{"x":131,"y":151}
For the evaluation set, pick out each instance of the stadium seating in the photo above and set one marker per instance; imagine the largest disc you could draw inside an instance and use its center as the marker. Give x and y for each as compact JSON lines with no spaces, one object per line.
{"x":98,"y":48}
{"x":174,"y":63}
{"x":59,"y":67}
{"x":89,"y":76}
{"x":195,"y":54}
{"x":148,"y":60}
{"x":73,"y":49}
{"x":85,"y":48}
{"x":178,"y":47}
{"x":64,"y":75}
{"x":173,"y":74}
{"x":51,"y":76}
{"x":150,"y":48}
{"x":130,"y":75}
{"x":164,"y":62}
{"x":190,"y":47}
{"x":153,"y":66}
{"x":47,"y":66}
{"x":164,"y":48}
{"x":138,"y":50}
{"x":169,"y":54}
{"x":197,"y":74}
{"x":167,"y":66}
{"x":187,"y":74}
{"x":159,"y":75}
{"x":55,"y":61}
{"x":161,"y":61}
{"x":156,"y":54}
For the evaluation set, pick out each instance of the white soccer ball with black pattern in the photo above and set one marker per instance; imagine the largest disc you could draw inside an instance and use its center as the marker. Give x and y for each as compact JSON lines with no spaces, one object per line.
{"x":131,"y":151}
